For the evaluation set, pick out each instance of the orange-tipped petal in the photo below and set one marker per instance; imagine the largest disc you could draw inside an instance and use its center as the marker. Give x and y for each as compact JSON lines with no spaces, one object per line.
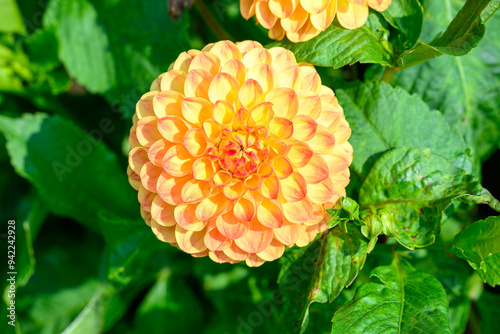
{"x":320,"y":192}
{"x":149,"y":176}
{"x":294,"y":188}
{"x":300,"y":154}
{"x":185,"y":217}
{"x":254,"y":260}
{"x":196,"y":110}
{"x":162,"y":212}
{"x":281,"y":54}
{"x":211,"y":207}
{"x":305,"y":33}
{"x":323,"y":141}
{"x":236,"y":69}
{"x":282,"y":8}
{"x":250,"y":94}
{"x":309,"y":104}
{"x":190,"y":241}
{"x":163,"y":233}
{"x":277,"y":32}
{"x":312,"y":81}
{"x":177,"y":161}
{"x":285,"y":102}
{"x":144,"y":107}
{"x":323,"y":19}
{"x":265,"y":75}
{"x":244,"y":208}
{"x":274,"y":251}
{"x":257,"y":56}
{"x":257,"y":238}
{"x":172,"y":128}
{"x":197,"y":84}
{"x":225,"y":51}
{"x":261,"y":113}
{"x":282,"y":167}
{"x":270,"y":188}
{"x":379,"y":5}
{"x":147,"y":131}
{"x":296,"y":20}
{"x":184,"y":60}
{"x":222,"y":178}
{"x":246,"y":46}
{"x":206,"y":61}
{"x":316,"y":170}
{"x":236,"y":253}
{"x":223,"y":87}
{"x":235,"y":189}
{"x":195,"y":142}
{"x":281,"y":127}
{"x":204,"y":169}
{"x":173,"y":80}
{"x":350,"y":15}
{"x":270,"y":214}
{"x":304,"y":128}
{"x":288,"y":233}
{"x":195,"y":191}
{"x":230,"y":226}
{"x":298,"y":212}
{"x":315,"y":6}
{"x":264,"y":15}
{"x":146,"y":198}
{"x":247,"y":8}
{"x":169,"y":188}
{"x":137,"y":158}
{"x":290,"y":75}
{"x":167,"y":104}
{"x":212,"y":130}
{"x":214,"y":240}
{"x":133,"y":178}
{"x":223,"y":112}
{"x":157,"y":151}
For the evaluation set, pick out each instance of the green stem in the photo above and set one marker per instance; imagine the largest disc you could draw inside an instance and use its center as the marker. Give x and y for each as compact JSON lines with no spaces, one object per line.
{"x":209,"y":19}
{"x":389,"y":73}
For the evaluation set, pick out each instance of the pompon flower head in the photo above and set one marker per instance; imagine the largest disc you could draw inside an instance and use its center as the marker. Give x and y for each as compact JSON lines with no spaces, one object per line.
{"x":301,"y":20}
{"x":237,"y":151}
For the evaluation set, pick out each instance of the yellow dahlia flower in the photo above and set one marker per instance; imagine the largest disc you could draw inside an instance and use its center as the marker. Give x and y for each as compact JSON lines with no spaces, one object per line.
{"x":302,"y":20}
{"x":237,"y":151}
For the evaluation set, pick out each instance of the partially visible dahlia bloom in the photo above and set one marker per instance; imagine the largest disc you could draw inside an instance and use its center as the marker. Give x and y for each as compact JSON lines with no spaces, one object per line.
{"x":237,"y":151}
{"x":302,"y":20}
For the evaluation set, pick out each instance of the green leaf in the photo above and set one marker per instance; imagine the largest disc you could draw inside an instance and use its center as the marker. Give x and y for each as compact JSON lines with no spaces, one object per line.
{"x":488,"y":312}
{"x":338,"y":47}
{"x":408,"y":301}
{"x":407,"y":17}
{"x":117,"y":56}
{"x":383,"y":117}
{"x":10,"y":18}
{"x":169,"y":298}
{"x":416,"y":186}
{"x":318,"y":272}
{"x":479,"y":244}
{"x":463,"y":34}
{"x":465,"y":89}
{"x":76,"y":175}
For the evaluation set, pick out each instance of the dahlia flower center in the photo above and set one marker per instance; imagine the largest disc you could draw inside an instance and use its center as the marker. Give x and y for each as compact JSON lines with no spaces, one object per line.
{"x":240,"y":153}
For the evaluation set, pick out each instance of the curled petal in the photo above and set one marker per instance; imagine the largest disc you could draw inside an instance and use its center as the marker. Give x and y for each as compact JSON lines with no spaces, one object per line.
{"x":236,"y":69}
{"x":379,"y":5}
{"x":195,"y":191}
{"x":261,"y":113}
{"x":163,"y":233}
{"x":298,"y":212}
{"x":304,"y":128}
{"x":250,"y":94}
{"x":185,"y":217}
{"x":312,"y":81}
{"x":214,"y":240}
{"x":172,"y":128}
{"x":281,"y":54}
{"x":206,"y":61}
{"x":146,"y":198}
{"x":315,"y":6}
{"x":288,"y":233}
{"x":265,"y":76}
{"x":285,"y":102}
{"x":204,"y":169}
{"x":190,"y":241}
{"x":254,"y":260}
{"x":316,"y":170}
{"x":211,"y":207}
{"x":277,"y":32}
{"x":296,"y":20}
{"x":257,"y":238}
{"x":270,"y":214}
{"x":196,"y":110}
{"x":321,"y":192}
{"x":177,"y":161}
{"x":236,"y":253}
{"x":149,"y":176}
{"x":274,"y":251}
{"x":173,"y":80}
{"x":282,"y":167}
{"x":246,"y":46}
{"x":195,"y":142}
{"x":281,"y":127}
{"x":167,"y":103}
{"x":230,"y":226}
{"x":294,"y":188}
{"x":223,"y":87}
{"x":290,"y":75}
{"x":223,"y":112}
{"x":282,"y":8}
{"x":264,"y":15}
{"x":137,"y":157}
{"x":350,"y":15}
{"x":221,"y":178}
{"x":133,"y":178}
{"x":220,"y":257}
{"x":244,"y":208}
{"x":265,"y":170}
{"x":184,"y":60}
{"x":305,"y":33}
{"x":234,"y":190}
{"x":225,"y":51}
{"x":197,"y":84}
{"x":169,"y":188}
{"x":299,"y":154}
{"x":309,"y":104}
{"x":162,"y":212}
{"x":257,"y":56}
{"x":253,"y":181}
{"x":157,"y":151}
{"x":324,"y":19}
{"x":270,"y":188}
{"x":211,"y":130}
{"x":247,"y":8}
{"x":144,"y":107}
{"x":323,"y":141}
{"x":147,"y":131}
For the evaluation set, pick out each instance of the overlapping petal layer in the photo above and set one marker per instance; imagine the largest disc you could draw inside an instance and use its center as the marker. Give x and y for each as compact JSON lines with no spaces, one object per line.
{"x":301,"y":20}
{"x":237,"y":151}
